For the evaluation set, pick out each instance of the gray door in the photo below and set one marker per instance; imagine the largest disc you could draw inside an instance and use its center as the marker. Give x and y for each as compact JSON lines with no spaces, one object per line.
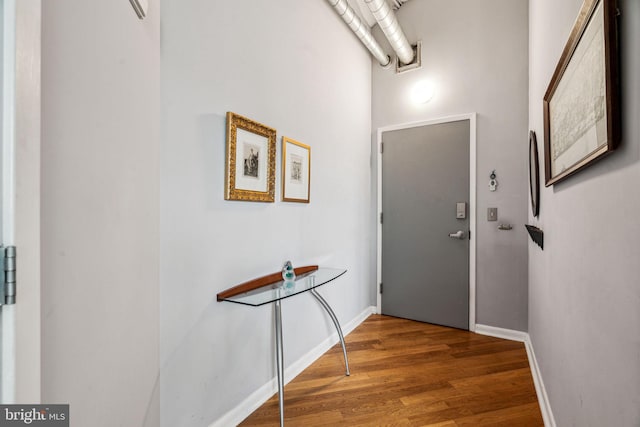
{"x":425,"y":272}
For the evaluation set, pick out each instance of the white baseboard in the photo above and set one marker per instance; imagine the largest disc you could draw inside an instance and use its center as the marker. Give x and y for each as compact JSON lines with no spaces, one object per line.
{"x":507,"y":334}
{"x":264,"y":393}
{"x":541,"y":392}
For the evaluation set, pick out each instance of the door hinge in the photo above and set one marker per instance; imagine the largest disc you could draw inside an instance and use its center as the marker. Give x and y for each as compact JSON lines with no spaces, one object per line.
{"x":381,"y":147}
{"x":380,"y":287}
{"x":8,"y":286}
{"x":381,"y":218}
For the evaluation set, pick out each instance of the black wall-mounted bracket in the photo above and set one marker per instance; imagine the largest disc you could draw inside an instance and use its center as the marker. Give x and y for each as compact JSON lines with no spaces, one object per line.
{"x":536,"y":234}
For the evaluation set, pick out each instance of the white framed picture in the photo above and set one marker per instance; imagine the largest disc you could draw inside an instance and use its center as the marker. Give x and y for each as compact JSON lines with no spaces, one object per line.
{"x":296,"y":171}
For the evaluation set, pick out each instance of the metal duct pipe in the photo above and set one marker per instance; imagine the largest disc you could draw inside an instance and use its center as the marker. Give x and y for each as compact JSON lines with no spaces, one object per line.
{"x":391,"y":27}
{"x":360,"y":29}
{"x":397,"y":4}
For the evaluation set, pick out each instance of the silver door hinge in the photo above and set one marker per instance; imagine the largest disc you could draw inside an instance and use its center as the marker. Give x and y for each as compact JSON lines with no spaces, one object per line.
{"x":381,"y":218}
{"x":380,"y":287}
{"x":381,"y":147}
{"x":8,"y":285}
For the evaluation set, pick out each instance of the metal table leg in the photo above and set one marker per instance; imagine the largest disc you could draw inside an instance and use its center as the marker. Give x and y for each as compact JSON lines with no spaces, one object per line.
{"x":280,"y":361}
{"x":335,"y":322}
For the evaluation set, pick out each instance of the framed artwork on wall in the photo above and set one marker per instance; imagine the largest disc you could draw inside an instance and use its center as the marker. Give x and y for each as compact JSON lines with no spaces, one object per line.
{"x":250,"y":160}
{"x":296,"y":171}
{"x":581,"y":108}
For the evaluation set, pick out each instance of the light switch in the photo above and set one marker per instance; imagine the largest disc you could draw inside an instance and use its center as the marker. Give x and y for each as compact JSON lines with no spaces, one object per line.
{"x":492,"y":214}
{"x":461,"y":210}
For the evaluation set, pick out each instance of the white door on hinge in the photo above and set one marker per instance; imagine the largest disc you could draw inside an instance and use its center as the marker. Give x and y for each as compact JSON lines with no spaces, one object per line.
{"x":7,"y":214}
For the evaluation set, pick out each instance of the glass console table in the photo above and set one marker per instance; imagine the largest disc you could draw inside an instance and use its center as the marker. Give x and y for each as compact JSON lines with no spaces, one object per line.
{"x":272,"y":289}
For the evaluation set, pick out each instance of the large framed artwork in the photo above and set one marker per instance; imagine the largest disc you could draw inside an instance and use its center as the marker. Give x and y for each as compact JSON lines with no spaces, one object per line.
{"x":296,"y":171}
{"x":581,"y":105}
{"x":251,"y":160}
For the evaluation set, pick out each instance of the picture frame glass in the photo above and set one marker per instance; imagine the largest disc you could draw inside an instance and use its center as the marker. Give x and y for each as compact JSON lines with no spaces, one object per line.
{"x":252,"y":155}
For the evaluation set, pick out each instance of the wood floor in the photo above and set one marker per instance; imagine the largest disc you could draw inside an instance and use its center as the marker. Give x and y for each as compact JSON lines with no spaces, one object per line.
{"x":406,"y":373}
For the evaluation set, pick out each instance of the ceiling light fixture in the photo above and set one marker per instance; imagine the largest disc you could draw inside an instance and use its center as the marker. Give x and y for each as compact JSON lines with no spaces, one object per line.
{"x":422,"y":92}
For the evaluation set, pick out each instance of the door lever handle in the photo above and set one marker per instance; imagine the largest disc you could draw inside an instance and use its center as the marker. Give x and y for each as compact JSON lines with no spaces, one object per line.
{"x":457,"y":235}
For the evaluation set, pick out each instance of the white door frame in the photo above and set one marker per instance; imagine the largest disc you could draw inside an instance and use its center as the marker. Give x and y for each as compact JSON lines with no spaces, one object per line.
{"x":472,"y":203}
{"x":8,"y":313}
{"x":20,"y":325}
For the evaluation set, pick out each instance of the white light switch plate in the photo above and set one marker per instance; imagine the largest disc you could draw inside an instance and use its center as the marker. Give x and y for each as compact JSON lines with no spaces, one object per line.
{"x":492,"y":214}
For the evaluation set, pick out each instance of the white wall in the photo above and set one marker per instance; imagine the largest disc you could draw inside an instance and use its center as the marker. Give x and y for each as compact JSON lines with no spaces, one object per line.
{"x":296,"y":67}
{"x":100,"y":156}
{"x":584,"y":291}
{"x":476,"y":53}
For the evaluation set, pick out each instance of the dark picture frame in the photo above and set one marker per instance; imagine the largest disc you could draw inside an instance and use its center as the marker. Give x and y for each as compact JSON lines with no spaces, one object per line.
{"x":581,"y":105}
{"x":250,"y":169}
{"x":534,"y":174}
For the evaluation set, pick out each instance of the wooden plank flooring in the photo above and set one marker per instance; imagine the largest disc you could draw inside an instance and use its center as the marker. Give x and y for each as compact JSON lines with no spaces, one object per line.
{"x":406,"y":373}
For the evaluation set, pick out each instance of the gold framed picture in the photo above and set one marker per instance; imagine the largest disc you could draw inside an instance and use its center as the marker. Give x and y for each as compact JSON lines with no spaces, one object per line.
{"x":296,"y":171}
{"x":251,"y":160}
